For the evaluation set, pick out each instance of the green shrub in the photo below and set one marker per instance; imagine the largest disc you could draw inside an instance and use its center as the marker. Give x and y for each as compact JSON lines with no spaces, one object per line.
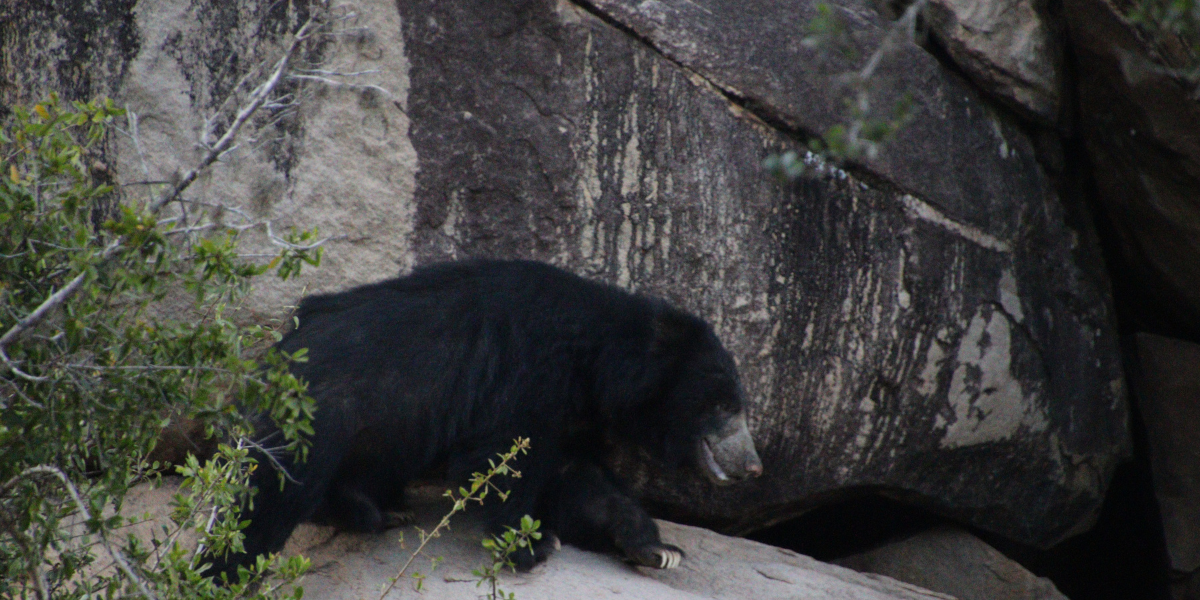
{"x":94,"y":361}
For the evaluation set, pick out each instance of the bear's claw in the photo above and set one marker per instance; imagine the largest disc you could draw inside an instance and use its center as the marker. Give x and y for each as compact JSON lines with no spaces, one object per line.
{"x":659,"y":556}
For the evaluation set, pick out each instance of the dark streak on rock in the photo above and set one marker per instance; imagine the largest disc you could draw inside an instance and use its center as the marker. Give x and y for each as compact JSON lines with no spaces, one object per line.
{"x":96,"y":41}
{"x":525,"y":136}
{"x":221,"y":42}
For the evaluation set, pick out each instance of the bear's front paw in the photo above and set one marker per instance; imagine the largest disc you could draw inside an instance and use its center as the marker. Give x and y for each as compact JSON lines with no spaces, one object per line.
{"x":537,"y":553}
{"x":658,"y":556}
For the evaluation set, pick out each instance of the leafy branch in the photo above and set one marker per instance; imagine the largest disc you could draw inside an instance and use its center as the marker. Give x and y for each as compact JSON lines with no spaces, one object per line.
{"x":93,"y":363}
{"x":117,"y":556}
{"x":256,"y":100}
{"x":481,"y":484}
{"x":864,"y":132}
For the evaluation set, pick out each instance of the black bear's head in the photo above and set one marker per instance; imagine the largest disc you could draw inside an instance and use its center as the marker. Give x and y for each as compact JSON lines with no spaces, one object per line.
{"x":696,"y":412}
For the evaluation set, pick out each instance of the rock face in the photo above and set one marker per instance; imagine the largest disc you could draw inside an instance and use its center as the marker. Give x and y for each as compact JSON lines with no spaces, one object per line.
{"x":1141,"y":127}
{"x":957,"y":563}
{"x":932,"y":325}
{"x":1009,"y":47}
{"x":1170,"y":407}
{"x":952,"y":133}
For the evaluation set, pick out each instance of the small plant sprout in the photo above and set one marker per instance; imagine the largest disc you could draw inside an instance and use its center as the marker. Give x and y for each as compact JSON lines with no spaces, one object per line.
{"x":481,"y":484}
{"x":501,"y":548}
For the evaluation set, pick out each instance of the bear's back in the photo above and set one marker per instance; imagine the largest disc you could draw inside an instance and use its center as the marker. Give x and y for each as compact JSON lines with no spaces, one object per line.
{"x":470,"y":334}
{"x":537,"y":295}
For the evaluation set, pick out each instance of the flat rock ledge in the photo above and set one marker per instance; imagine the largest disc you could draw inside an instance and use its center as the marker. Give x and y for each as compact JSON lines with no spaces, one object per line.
{"x":349,"y":566}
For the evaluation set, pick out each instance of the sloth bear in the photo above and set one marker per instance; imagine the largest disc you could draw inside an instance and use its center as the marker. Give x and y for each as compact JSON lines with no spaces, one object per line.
{"x":446,"y":366}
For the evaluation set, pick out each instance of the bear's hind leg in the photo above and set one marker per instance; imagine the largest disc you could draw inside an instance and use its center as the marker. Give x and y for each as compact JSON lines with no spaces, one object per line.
{"x":367,"y":494}
{"x":593,"y":513}
{"x":348,"y":507}
{"x":367,"y":502}
{"x":277,"y":510}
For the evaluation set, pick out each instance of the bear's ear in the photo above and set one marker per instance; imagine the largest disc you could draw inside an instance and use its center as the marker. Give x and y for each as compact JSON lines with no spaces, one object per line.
{"x":672,"y":329}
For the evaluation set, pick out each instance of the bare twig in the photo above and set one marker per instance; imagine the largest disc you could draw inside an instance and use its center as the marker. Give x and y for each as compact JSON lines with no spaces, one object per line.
{"x":148,"y":368}
{"x":132,"y":118}
{"x":329,"y":73}
{"x":190,"y":229}
{"x":117,"y":556}
{"x":54,"y":301}
{"x":270,"y":456}
{"x":224,"y":144}
{"x":335,"y":84}
{"x":212,"y":520}
{"x":480,"y":485}
{"x":206,"y":131}
{"x":18,"y":372}
{"x":906,"y":24}
{"x":145,"y":182}
{"x":257,"y":98}
{"x":248,"y":223}
{"x":278,"y":241}
{"x":16,"y":388}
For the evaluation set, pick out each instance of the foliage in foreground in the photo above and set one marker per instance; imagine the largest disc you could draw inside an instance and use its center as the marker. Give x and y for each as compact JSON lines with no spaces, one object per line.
{"x":500,"y":548}
{"x":88,"y":381}
{"x":84,"y":393}
{"x":1173,"y":27}
{"x":866,"y":127}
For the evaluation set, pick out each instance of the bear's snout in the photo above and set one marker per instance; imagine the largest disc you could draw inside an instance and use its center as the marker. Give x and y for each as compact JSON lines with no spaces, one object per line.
{"x":728,"y":455}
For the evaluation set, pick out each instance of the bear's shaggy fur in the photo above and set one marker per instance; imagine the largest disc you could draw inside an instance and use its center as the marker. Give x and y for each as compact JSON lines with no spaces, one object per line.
{"x":451,"y":363}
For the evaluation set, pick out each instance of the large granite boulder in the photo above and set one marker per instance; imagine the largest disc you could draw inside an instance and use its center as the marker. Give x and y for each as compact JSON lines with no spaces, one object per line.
{"x":354,"y":566}
{"x":1169,"y":394}
{"x":1011,"y":49}
{"x":954,"y":562}
{"x":1140,"y":124}
{"x":931,"y":323}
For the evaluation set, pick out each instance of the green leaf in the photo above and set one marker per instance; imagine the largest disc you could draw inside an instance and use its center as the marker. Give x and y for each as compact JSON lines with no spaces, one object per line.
{"x":115,"y":374}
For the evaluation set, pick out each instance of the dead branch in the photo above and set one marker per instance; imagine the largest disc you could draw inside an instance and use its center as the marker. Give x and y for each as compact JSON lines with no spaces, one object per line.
{"x":268,"y":452}
{"x":117,"y":556}
{"x":257,"y":98}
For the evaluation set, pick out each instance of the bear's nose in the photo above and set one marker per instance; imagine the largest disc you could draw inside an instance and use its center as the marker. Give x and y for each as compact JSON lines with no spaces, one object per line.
{"x":754,"y":467}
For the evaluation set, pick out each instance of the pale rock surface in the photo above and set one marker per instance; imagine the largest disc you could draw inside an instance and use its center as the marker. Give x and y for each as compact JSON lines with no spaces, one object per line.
{"x":349,"y":566}
{"x":340,"y":161}
{"x":1008,"y":47}
{"x":955,"y":562}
